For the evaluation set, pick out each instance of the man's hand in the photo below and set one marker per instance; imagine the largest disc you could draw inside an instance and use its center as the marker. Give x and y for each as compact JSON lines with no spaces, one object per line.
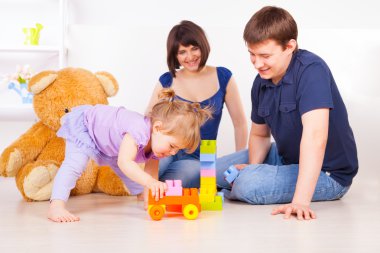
{"x":303,"y":212}
{"x":240,"y":166}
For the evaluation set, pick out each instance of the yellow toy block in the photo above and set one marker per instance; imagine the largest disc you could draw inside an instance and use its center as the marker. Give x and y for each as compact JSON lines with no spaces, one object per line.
{"x":208,"y":181}
{"x":206,"y":198}
{"x":208,"y":147}
{"x":208,"y":191}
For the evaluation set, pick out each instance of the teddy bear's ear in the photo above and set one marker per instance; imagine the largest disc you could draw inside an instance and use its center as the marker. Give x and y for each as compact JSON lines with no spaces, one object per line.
{"x":42,"y":80}
{"x":108,"y":82}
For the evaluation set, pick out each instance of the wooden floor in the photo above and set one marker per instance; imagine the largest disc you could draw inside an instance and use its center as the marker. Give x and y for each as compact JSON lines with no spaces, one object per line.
{"x":119,"y":224}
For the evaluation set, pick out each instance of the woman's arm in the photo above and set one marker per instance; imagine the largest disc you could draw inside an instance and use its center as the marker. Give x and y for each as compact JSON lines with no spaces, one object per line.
{"x":236,"y":111}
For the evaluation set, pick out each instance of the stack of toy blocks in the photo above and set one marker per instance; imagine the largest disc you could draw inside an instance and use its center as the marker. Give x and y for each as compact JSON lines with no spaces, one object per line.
{"x":208,"y":196}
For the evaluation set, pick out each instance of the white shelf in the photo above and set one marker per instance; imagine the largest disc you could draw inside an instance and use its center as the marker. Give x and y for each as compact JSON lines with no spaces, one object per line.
{"x":10,"y":110}
{"x":22,"y":112}
{"x":59,"y":49}
{"x":30,"y":49}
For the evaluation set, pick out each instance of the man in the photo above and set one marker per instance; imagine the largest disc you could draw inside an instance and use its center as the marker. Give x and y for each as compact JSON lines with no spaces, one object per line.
{"x":294,"y":99}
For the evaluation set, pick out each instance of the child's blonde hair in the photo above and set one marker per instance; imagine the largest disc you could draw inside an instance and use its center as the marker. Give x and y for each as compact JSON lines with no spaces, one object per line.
{"x":179,"y":118}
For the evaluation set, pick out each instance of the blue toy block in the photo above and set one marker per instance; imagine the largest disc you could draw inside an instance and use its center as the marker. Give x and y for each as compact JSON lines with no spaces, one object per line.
{"x":230,"y":174}
{"x":208,"y":165}
{"x":207,"y":157}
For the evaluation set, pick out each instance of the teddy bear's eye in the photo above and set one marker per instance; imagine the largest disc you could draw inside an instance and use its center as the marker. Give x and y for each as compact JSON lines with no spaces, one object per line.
{"x":66,"y":110}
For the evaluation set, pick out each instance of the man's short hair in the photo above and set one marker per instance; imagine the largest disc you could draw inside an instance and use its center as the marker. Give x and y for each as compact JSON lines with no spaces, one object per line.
{"x":271,"y":23}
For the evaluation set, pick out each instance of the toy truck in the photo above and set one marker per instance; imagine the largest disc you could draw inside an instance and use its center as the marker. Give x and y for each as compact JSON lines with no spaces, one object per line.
{"x":187,"y":203}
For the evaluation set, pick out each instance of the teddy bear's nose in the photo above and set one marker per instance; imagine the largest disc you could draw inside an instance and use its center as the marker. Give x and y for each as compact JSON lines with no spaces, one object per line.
{"x":66,"y":110}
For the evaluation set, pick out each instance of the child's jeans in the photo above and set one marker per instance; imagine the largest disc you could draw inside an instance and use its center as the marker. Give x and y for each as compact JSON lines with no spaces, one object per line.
{"x":270,"y":182}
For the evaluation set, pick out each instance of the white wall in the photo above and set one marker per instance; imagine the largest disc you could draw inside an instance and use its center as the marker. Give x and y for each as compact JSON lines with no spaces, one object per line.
{"x":128,"y":39}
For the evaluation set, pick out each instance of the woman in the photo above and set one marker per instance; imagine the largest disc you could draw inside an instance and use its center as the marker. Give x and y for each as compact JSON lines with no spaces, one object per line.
{"x":194,"y":81}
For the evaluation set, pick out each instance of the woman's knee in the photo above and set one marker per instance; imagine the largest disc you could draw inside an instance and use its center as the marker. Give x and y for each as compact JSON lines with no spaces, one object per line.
{"x":186,"y":170}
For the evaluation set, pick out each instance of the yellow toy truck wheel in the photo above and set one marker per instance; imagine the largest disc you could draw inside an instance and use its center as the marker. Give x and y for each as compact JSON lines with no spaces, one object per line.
{"x":156,"y":212}
{"x":190,"y":212}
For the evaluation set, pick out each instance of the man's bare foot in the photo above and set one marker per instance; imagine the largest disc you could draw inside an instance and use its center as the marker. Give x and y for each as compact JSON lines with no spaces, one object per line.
{"x":58,"y":213}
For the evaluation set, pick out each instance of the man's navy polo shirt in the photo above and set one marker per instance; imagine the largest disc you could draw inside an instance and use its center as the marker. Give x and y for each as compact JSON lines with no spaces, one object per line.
{"x":307,"y":85}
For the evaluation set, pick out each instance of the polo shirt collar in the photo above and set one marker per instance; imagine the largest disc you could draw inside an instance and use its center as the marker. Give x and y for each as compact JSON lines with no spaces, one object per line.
{"x":265,"y":83}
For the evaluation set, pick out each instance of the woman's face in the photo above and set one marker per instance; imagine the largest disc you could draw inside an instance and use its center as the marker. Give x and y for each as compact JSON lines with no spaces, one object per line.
{"x":189,"y":57}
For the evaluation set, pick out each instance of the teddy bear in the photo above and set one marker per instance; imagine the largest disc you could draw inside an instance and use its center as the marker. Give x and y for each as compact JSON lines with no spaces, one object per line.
{"x":35,"y":157}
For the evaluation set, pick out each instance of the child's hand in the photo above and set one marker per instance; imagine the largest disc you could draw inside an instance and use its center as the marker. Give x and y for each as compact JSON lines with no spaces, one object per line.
{"x":158,"y":188}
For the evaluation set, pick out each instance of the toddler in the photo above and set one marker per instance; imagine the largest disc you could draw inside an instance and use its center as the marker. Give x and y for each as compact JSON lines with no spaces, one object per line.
{"x":121,"y":138}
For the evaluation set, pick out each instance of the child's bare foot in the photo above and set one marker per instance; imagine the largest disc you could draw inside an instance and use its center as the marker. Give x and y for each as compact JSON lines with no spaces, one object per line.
{"x":58,"y":213}
{"x":140,"y":197}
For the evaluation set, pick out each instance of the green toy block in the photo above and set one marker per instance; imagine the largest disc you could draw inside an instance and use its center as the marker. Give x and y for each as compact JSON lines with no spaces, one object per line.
{"x":206,"y":198}
{"x":208,"y":189}
{"x":217,"y":205}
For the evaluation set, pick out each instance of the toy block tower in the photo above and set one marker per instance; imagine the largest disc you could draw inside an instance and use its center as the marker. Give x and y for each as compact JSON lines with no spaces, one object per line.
{"x":207,"y":193}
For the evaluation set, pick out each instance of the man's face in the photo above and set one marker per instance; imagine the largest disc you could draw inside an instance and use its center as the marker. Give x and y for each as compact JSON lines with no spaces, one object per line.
{"x":270,"y":58}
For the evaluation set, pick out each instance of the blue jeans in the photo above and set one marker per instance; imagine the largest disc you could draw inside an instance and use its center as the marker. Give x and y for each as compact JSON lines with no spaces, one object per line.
{"x":182,"y":166}
{"x":270,"y":182}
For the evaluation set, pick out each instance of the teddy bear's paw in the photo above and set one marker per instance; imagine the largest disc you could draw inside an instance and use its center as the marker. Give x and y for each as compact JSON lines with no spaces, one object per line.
{"x":38,"y":183}
{"x":11,"y":163}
